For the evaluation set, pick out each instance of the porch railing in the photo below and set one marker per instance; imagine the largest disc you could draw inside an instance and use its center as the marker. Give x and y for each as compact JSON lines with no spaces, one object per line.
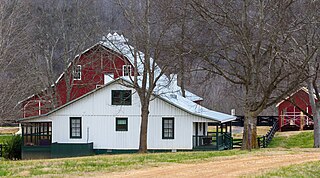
{"x":215,"y":141}
{"x":202,"y":140}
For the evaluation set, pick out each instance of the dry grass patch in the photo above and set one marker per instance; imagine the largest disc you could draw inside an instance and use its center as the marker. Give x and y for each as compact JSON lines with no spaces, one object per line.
{"x":238,"y":131}
{"x":8,"y":130}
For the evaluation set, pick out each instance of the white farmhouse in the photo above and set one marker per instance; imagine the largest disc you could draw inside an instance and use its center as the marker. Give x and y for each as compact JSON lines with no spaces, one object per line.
{"x":107,"y":120}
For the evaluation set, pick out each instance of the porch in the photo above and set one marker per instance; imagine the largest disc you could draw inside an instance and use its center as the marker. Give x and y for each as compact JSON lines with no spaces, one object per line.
{"x":36,"y":133}
{"x":36,"y":140}
{"x":218,"y":137}
{"x":37,"y":143}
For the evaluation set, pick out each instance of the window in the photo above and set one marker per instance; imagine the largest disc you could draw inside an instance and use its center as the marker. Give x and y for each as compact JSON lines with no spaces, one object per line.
{"x":168,"y":128}
{"x":126,"y":70}
{"x":75,"y":127}
{"x":121,"y":124}
{"x":121,"y":97}
{"x":77,"y":72}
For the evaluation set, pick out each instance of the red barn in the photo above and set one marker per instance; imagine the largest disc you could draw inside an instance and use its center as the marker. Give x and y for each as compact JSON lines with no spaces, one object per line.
{"x":291,"y":111}
{"x":92,"y":68}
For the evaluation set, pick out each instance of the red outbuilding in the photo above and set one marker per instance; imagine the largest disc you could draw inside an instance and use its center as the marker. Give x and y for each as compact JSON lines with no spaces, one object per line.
{"x":293,"y":112}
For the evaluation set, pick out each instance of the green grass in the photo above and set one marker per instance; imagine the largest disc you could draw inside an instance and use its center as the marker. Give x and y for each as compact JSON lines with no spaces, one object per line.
{"x":311,"y":169}
{"x":104,"y":163}
{"x":4,"y":138}
{"x":301,"y":140}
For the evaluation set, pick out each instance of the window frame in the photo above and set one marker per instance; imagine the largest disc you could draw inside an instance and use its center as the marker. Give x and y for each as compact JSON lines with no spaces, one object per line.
{"x":71,"y":128}
{"x":172,"y":127}
{"x":126,"y":125}
{"x":75,"y":71}
{"x":122,"y":102}
{"x":124,"y":71}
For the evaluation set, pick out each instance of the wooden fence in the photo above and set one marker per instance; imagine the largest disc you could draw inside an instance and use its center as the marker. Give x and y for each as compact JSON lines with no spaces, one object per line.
{"x":237,"y":143}
{"x":263,"y":141}
{"x":261,"y":121}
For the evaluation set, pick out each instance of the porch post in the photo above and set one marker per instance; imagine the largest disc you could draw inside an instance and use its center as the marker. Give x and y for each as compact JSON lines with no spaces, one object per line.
{"x":197,"y":133}
{"x":217,"y":138}
{"x":204,"y":129}
{"x":221,"y":128}
{"x":231,"y":128}
{"x":22,"y":134}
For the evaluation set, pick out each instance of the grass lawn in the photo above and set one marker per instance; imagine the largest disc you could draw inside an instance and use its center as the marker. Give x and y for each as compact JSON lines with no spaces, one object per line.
{"x":3,"y":138}
{"x":301,"y":140}
{"x":311,"y":169}
{"x":294,"y":140}
{"x":105,"y":163}
{"x":115,"y":163}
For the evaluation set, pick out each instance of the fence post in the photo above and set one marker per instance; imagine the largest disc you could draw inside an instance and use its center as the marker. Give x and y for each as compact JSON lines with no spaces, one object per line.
{"x":264,"y":141}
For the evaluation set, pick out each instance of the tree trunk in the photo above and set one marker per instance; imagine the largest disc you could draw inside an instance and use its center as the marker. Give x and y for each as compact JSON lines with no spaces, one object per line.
{"x":249,"y":140}
{"x":143,"y":146}
{"x":316,"y":115}
{"x":316,"y":122}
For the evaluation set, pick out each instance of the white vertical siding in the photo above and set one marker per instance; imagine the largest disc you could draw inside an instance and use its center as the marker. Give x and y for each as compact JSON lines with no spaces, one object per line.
{"x":99,"y":116}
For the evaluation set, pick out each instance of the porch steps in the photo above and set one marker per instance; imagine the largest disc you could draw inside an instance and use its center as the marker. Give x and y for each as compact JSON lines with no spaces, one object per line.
{"x":264,"y":141}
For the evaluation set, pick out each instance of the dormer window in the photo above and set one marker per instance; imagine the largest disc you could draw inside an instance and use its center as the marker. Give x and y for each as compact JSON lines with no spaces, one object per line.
{"x":126,"y":70}
{"x":77,"y":72}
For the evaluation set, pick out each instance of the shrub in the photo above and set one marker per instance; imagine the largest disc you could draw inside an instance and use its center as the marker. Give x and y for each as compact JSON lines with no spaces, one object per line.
{"x":12,"y":148}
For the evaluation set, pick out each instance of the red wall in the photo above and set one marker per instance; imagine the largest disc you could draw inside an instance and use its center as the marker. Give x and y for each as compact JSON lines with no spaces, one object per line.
{"x":301,"y":99}
{"x":94,"y":64}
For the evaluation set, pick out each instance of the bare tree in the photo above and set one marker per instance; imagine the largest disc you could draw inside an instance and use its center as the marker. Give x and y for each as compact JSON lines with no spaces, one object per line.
{"x":14,"y":53}
{"x":305,"y":42}
{"x":308,"y":45}
{"x":250,"y":47}
{"x":64,"y":29}
{"x":149,"y":26}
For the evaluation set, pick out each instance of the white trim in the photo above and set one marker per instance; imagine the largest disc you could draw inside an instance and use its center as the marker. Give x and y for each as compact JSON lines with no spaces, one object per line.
{"x":33,"y":101}
{"x":302,"y":88}
{"x":39,"y":107}
{"x":59,"y":78}
{"x":123,"y":71}
{"x":98,"y":86}
{"x":75,"y":71}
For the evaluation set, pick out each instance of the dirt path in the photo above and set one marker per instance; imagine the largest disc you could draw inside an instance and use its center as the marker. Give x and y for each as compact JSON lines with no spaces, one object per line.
{"x":223,"y":167}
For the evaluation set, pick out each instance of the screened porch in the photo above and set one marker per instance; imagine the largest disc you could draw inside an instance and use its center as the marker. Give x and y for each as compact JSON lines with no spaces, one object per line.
{"x":36,"y":133}
{"x":212,"y":136}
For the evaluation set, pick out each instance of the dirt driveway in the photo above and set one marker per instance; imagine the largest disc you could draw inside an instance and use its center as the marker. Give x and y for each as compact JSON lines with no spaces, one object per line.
{"x":232,"y":166}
